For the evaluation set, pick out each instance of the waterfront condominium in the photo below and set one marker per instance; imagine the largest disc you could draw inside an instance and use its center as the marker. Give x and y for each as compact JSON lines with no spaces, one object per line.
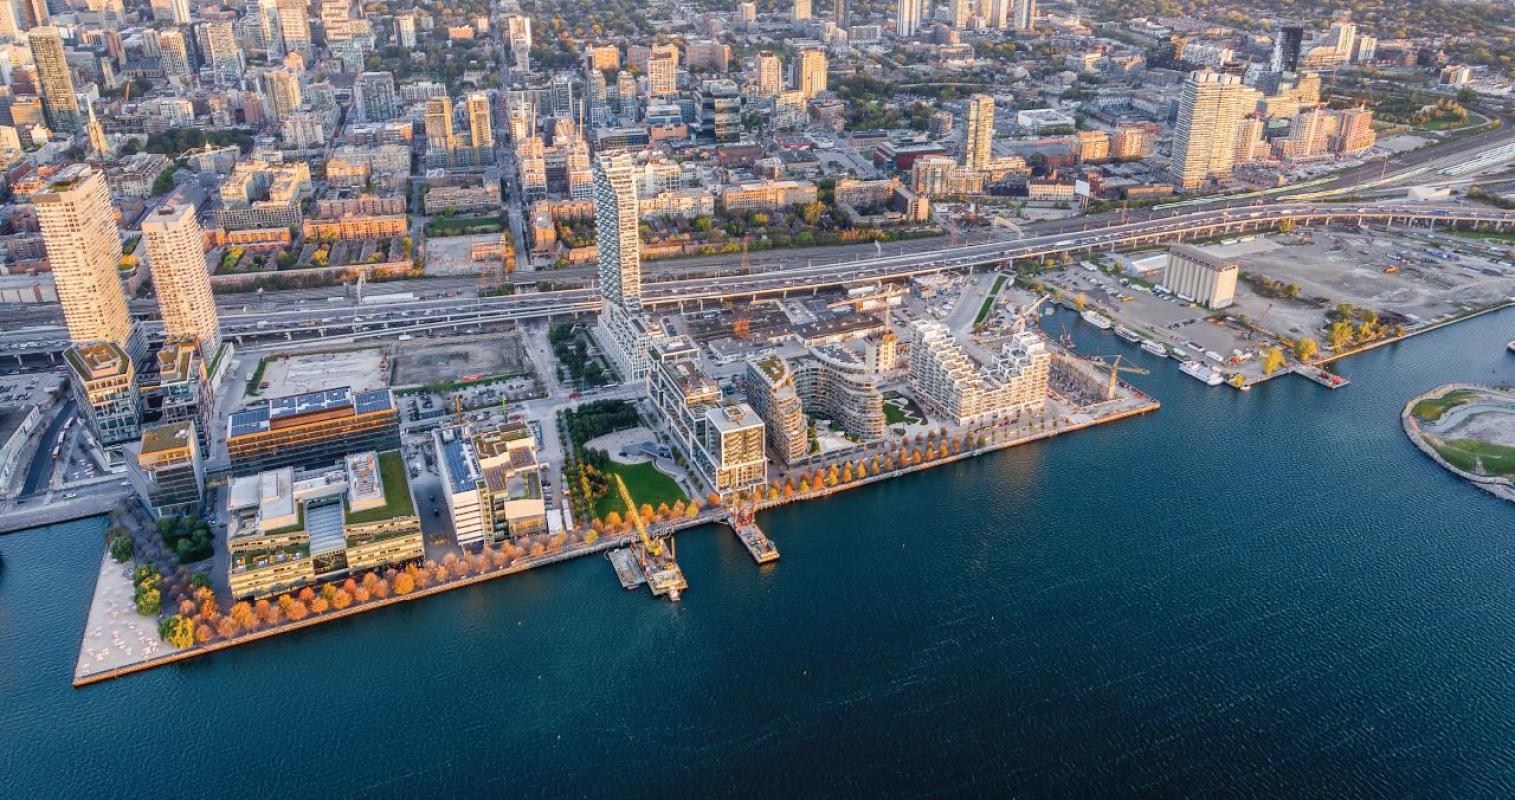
{"x":166,"y":471}
{"x":83,"y":248}
{"x":836,"y":383}
{"x":59,"y":102}
{"x":951,"y":386}
{"x":311,"y":430}
{"x":768,"y":384}
{"x":1204,"y":140}
{"x":622,"y":331}
{"x":491,"y":482}
{"x":176,"y":254}
{"x":721,"y":440}
{"x":978,"y":132}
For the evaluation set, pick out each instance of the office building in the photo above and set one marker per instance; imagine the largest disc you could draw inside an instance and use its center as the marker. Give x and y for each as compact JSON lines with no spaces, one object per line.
{"x":311,"y":430}
{"x":721,"y":440}
{"x":978,"y":132}
{"x":166,"y":471}
{"x":768,"y":385}
{"x":185,"y":387}
{"x":405,"y":29}
{"x":176,"y":254}
{"x":375,"y":97}
{"x":104,"y":383}
{"x":83,"y":248}
{"x":288,"y":529}
{"x":1196,"y":275}
{"x":1204,"y":139}
{"x":54,"y":79}
{"x":810,"y":72}
{"x":492,"y":483}
{"x":949,"y":384}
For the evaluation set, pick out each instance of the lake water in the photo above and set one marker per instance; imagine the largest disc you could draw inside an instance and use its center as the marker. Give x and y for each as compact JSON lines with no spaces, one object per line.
{"x":1264,"y":594}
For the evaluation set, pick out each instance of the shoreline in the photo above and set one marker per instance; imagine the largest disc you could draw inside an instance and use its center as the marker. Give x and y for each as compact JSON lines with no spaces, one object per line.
{"x":1143,"y":405}
{"x":1502,"y":488}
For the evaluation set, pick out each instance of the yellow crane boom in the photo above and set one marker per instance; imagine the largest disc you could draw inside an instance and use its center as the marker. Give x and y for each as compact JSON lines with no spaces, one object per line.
{"x":653,"y":547}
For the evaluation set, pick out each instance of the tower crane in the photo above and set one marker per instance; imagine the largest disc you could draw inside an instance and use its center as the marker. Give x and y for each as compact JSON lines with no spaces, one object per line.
{"x":1115,"y":367}
{"x":653,"y":547}
{"x":663,"y":573}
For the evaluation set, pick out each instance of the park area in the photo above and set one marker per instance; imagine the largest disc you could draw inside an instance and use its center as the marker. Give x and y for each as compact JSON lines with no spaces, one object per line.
{"x":1471,"y":429}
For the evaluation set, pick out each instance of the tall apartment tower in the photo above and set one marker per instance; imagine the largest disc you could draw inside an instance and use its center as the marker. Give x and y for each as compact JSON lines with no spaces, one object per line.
{"x":439,"y":133}
{"x":480,"y":121}
{"x":405,"y":29}
{"x":662,"y":73}
{"x":907,"y":17}
{"x":1204,"y":141}
{"x":810,"y":73}
{"x":58,"y":99}
{"x":222,"y":52}
{"x":281,"y":87}
{"x":770,"y":74}
{"x":176,"y":252}
{"x":1024,"y":16}
{"x":616,"y":234}
{"x":1287,"y":41}
{"x":175,"y":60}
{"x":801,"y":10}
{"x":376,"y":97}
{"x":83,"y":247}
{"x":294,"y":27}
{"x":978,"y":132}
{"x":839,"y":13}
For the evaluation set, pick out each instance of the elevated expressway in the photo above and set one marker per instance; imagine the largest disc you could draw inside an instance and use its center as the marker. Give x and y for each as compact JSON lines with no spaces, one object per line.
{"x":328,"y":325}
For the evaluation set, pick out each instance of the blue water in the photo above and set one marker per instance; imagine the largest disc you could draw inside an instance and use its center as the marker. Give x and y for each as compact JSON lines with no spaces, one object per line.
{"x":1263,"y":594}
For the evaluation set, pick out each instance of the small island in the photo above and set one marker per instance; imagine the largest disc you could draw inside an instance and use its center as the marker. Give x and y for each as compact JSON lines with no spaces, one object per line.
{"x":1470,"y":430}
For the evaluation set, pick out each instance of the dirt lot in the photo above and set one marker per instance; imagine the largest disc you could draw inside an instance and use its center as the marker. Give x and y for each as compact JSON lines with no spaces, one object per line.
{"x":297,"y":374}
{"x":451,"y":359}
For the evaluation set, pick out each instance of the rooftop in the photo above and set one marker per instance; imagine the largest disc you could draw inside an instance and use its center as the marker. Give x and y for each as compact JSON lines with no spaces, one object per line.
{"x":397,"y":501}
{"x":171,"y":436}
{"x":98,"y":360}
{"x":286,"y":411}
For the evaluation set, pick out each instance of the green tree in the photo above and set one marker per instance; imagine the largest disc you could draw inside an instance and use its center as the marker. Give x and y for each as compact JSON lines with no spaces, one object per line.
{"x":121,"y":548}
{"x":177,"y":630}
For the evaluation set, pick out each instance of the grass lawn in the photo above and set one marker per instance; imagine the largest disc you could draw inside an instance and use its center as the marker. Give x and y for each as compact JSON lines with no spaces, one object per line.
{"x":900,"y":409}
{"x":1430,"y":410}
{"x":646,"y":485}
{"x":456,"y":226}
{"x":1498,"y":460}
{"x":1508,"y":238}
{"x":983,"y":310}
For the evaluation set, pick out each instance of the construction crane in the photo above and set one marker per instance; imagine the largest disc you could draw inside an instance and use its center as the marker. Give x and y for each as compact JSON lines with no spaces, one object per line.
{"x":1115,"y":367}
{"x":1023,"y":318}
{"x":457,"y":407}
{"x":653,"y":547}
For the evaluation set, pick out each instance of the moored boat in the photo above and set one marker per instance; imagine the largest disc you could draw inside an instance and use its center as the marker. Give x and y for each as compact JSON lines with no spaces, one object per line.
{"x":1096,"y":319}
{"x":1155,"y":348}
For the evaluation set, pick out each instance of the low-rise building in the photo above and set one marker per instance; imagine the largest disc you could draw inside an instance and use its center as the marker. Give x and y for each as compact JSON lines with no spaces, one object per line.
{"x":722,"y":440}
{"x":312,"y":429}
{"x":766,"y":195}
{"x":165,"y":469}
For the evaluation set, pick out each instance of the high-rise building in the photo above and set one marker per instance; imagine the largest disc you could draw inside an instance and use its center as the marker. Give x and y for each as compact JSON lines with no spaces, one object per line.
{"x":810,"y":72}
{"x":622,"y":331}
{"x":907,"y":17}
{"x":376,"y":99}
{"x":978,"y":132}
{"x":83,"y":247}
{"x":175,"y":59}
{"x":33,"y":13}
{"x":439,"y":132}
{"x":405,"y":30}
{"x":222,"y":53}
{"x":281,"y":88}
{"x":1204,"y":140}
{"x":480,"y":121}
{"x":294,"y":27}
{"x":747,"y":12}
{"x":10,"y":25}
{"x":98,"y":144}
{"x":103,"y":380}
{"x":1342,"y":39}
{"x":768,"y":384}
{"x":770,"y":74}
{"x":1287,"y":42}
{"x":176,"y":254}
{"x":801,"y":10}
{"x":1023,"y":16}
{"x":839,"y":13}
{"x":54,"y":79}
{"x":721,"y":440}
{"x":959,"y":13}
{"x":166,"y":471}
{"x":662,"y":73}
{"x":997,"y":13}
{"x":1354,"y":131}
{"x":834,"y":383}
{"x":174,"y":12}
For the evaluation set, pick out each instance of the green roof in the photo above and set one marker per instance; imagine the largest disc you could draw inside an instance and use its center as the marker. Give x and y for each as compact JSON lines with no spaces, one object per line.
{"x":396,"y":493}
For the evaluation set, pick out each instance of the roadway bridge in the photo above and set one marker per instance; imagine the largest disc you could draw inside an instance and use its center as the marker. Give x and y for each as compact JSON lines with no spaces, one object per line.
{"x":454,"y":314}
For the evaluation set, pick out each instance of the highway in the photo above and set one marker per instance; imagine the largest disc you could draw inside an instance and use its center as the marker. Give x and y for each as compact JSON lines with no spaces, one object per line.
{"x":451,"y":314}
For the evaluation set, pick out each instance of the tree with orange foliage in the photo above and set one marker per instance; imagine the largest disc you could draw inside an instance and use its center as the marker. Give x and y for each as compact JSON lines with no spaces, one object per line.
{"x":847,"y":474}
{"x":226,"y":628}
{"x":242,"y":614}
{"x":209,"y":609}
{"x":441,"y":574}
{"x":262,"y":609}
{"x":298,"y":610}
{"x":664,"y":512}
{"x":328,"y":591}
{"x":862,"y":469}
{"x":341,"y":599}
{"x":319,"y":605}
{"x":349,"y":586}
{"x":203,"y":633}
{"x":361,"y":595}
{"x":804,"y":485}
{"x":381,"y":588}
{"x":713,"y":499}
{"x":405,"y":583}
{"x":186,"y":607}
{"x":306,"y":595}
{"x":788,"y":489}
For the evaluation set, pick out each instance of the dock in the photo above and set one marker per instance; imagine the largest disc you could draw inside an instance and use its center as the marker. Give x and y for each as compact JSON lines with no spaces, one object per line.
{"x":1320,"y":376}
{"x":758,"y":545}
{"x":666,"y":578}
{"x":626,"y":569}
